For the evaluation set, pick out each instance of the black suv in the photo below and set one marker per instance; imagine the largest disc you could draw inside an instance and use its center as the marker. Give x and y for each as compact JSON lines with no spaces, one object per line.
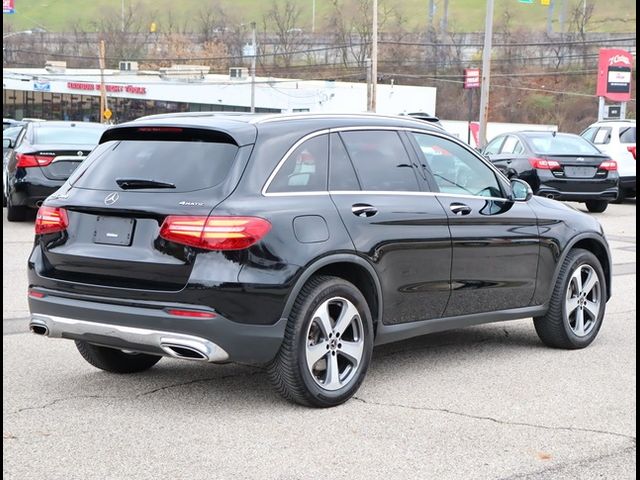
{"x":301,"y":242}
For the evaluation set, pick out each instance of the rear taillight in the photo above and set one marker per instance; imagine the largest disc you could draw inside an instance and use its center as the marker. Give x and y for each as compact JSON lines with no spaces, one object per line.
{"x":608,"y":165}
{"x":633,"y":151}
{"x":27,"y":160}
{"x":542,"y":164}
{"x":51,"y":220}
{"x":215,"y":233}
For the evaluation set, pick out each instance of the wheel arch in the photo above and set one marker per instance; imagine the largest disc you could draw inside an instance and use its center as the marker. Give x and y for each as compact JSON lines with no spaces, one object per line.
{"x":351,"y":268}
{"x":594,"y":244}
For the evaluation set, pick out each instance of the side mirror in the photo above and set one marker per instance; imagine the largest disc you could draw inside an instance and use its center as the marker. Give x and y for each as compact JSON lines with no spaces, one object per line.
{"x":520,"y":190}
{"x":7,"y":143}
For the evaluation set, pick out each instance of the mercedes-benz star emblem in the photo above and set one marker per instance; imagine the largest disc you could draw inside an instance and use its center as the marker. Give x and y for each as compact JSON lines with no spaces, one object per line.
{"x":111,"y":198}
{"x":79,"y":153}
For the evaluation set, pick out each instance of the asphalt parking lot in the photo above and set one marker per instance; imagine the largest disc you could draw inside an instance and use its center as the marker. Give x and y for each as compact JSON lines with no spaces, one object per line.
{"x":487,"y":402}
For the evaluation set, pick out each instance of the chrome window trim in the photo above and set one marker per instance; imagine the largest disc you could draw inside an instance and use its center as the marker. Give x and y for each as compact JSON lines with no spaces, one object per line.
{"x":445,"y":136}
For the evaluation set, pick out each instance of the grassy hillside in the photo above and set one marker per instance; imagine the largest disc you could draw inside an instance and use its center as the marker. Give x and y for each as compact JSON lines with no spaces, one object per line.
{"x":464,"y":15}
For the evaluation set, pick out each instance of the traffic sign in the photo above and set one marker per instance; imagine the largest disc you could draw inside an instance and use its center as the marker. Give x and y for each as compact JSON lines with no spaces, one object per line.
{"x":107,"y":114}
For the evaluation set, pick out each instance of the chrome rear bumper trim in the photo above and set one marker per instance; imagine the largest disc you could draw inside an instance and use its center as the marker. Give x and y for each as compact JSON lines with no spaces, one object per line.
{"x":59,"y":327}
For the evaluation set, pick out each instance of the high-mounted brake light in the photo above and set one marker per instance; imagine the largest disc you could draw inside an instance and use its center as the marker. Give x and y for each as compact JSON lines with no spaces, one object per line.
{"x":161,"y":129}
{"x":28,"y":160}
{"x":51,"y":220}
{"x":542,"y":164}
{"x":215,"y":233}
{"x":609,"y":165}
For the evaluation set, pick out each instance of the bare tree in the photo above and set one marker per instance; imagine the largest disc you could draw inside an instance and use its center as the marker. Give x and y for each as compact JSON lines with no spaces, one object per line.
{"x":211,"y":23}
{"x":284,"y":21}
{"x":580,"y":16}
{"x":351,"y":22}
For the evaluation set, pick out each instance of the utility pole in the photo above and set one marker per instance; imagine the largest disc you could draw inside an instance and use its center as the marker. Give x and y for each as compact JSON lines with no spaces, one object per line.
{"x":550,"y":10}
{"x":431,"y":13}
{"x":486,"y":72}
{"x":313,"y":16}
{"x":444,"y":24}
{"x":122,"y":14}
{"x":103,"y":90}
{"x":368,"y":67}
{"x":253,"y":67}
{"x":374,"y":56}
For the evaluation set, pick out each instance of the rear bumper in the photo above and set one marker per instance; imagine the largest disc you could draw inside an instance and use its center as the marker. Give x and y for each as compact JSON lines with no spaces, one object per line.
{"x":152,"y":330}
{"x":577,"y":189}
{"x":609,"y":194}
{"x":32,"y":190}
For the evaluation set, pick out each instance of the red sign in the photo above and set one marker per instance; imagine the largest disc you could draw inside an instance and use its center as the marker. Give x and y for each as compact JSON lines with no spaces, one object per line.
{"x":8,"y":6}
{"x":109,"y":88}
{"x":614,"y":74}
{"x":471,"y":78}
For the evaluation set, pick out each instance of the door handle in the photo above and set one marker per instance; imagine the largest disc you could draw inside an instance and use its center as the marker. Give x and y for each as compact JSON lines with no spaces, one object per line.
{"x":364,"y":210}
{"x":460,"y":209}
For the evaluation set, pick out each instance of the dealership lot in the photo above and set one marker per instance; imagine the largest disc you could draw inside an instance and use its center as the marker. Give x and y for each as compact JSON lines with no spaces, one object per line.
{"x":485,"y":402}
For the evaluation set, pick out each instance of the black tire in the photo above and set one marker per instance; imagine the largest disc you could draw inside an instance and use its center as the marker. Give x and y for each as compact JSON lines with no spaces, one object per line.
{"x":289,"y":373}
{"x":15,"y":213}
{"x":554,"y":328}
{"x":597,"y":206}
{"x":116,"y":361}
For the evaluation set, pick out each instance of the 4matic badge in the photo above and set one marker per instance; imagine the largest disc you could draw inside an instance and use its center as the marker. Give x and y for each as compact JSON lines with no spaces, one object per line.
{"x":191,"y":204}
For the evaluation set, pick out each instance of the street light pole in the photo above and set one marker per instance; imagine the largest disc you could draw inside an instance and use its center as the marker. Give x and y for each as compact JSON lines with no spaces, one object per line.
{"x":486,"y":72}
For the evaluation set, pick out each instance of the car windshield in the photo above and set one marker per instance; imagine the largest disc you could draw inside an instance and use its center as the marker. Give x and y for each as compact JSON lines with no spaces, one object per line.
{"x":67,"y":135}
{"x":548,"y":144}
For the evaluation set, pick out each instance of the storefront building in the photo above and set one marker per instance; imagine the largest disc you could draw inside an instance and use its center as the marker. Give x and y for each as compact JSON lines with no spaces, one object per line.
{"x":74,"y":94}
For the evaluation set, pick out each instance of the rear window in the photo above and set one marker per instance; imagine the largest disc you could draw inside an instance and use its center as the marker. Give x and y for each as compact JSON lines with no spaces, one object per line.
{"x":628,"y":135}
{"x":66,"y":135}
{"x":548,"y":144}
{"x":187,"y":165}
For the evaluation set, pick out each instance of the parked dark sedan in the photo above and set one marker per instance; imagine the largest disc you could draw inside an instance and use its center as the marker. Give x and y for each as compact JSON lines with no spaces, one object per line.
{"x":557,"y":165}
{"x":44,"y":156}
{"x":299,"y":242}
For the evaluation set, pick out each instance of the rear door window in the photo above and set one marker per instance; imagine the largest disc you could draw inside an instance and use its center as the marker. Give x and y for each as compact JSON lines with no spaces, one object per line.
{"x":305,"y":169}
{"x":342,"y":176}
{"x":189,"y":165}
{"x":381,"y":161}
{"x":602,"y":136}
{"x":512,"y":145}
{"x":628,"y":135}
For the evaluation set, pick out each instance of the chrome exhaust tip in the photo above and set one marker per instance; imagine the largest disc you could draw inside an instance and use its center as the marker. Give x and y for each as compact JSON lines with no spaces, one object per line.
{"x":39,"y":327}
{"x":551,"y":196}
{"x":185,"y":349}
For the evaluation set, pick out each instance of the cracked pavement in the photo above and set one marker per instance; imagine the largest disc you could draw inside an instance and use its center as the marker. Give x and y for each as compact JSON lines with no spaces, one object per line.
{"x":487,"y":402}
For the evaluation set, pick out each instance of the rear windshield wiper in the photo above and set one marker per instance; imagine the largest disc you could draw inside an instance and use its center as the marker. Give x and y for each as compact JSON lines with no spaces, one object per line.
{"x":139,"y":183}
